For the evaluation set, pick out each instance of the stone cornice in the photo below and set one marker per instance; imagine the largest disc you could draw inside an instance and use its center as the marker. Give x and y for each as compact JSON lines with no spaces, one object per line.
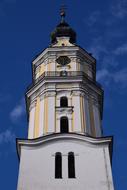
{"x":49,"y":93}
{"x":31,"y":143}
{"x":69,"y":50}
{"x":85,"y":87}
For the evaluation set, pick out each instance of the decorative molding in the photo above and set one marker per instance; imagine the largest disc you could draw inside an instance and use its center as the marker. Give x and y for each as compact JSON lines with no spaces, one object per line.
{"x":64,"y":114}
{"x":76,"y":93}
{"x":74,"y":50}
{"x":45,"y":62}
{"x":93,"y":98}
{"x":91,"y":141}
{"x":37,"y":69}
{"x":50,"y":94}
{"x":73,"y":59}
{"x":62,"y":93}
{"x":62,"y":67}
{"x":78,"y":60}
{"x":41,"y":96}
{"x":32,"y":104}
{"x":82,"y":94}
{"x":86,"y":96}
{"x":51,"y":60}
{"x":66,"y":110}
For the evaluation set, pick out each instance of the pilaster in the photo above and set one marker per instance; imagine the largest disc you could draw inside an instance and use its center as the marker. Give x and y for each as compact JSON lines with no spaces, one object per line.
{"x":31,"y":120}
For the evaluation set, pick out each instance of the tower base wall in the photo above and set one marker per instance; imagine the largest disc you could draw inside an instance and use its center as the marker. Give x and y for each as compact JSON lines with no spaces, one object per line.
{"x":92,"y":163}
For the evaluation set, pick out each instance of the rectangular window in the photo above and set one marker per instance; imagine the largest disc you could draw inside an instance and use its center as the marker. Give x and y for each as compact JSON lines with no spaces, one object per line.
{"x":71,"y":165}
{"x":58,"y":165}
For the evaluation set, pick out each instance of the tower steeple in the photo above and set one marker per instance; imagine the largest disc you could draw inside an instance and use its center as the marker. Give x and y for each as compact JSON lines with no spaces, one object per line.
{"x":63,"y":29}
{"x":65,"y":148}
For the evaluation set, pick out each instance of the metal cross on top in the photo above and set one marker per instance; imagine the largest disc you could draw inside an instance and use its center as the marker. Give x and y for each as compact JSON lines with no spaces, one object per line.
{"x":63,"y":12}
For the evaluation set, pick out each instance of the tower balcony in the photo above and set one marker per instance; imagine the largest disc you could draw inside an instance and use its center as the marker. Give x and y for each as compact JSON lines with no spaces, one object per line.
{"x":63,"y":75}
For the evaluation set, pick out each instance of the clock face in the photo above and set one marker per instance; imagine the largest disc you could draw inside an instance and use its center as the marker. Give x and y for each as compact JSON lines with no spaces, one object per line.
{"x":63,"y":60}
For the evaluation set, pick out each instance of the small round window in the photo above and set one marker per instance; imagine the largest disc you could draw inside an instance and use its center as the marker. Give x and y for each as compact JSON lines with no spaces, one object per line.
{"x":63,"y":60}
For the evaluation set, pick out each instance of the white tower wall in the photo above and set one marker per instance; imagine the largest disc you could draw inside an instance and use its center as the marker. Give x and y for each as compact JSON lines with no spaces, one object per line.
{"x":37,"y":164}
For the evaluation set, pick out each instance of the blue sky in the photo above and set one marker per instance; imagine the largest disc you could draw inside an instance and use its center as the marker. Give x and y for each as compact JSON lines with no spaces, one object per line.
{"x":25,"y":28}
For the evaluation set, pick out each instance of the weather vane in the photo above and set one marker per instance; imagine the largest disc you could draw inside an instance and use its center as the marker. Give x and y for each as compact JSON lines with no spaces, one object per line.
{"x":63,"y":12}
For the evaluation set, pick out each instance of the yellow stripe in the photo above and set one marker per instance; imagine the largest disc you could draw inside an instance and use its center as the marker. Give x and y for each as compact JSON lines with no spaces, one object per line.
{"x":42,"y":70}
{"x":29,"y":124}
{"x":83,"y":110}
{"x":84,"y":115}
{"x":36,"y":122}
{"x":55,"y":115}
{"x":46,"y":115}
{"x":92,"y":125}
{"x":81,"y":113}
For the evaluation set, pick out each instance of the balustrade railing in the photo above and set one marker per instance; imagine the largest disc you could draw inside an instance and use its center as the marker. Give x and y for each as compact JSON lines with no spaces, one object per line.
{"x":62,"y":74}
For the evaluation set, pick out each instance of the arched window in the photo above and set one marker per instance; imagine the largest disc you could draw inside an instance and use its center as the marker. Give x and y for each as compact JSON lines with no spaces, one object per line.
{"x":63,"y":102}
{"x":58,"y":165}
{"x":71,"y":165}
{"x":64,"y":125}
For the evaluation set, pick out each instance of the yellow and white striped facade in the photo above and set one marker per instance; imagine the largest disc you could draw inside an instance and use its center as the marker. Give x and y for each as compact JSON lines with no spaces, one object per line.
{"x":64,"y":108}
{"x":84,"y":96}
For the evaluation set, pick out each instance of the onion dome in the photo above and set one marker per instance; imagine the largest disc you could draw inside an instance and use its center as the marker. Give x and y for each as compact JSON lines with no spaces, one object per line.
{"x":63,"y":30}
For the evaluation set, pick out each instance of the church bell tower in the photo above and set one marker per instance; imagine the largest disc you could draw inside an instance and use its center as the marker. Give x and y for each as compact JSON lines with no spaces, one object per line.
{"x":65,"y":148}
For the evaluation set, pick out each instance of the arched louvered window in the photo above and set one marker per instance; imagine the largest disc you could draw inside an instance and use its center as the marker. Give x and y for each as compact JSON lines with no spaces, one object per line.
{"x":64,"y":125}
{"x":58,"y":165}
{"x":63,"y":102}
{"x":71,"y":165}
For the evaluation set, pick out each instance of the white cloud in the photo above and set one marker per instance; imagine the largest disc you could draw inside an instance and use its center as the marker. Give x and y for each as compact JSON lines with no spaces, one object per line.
{"x":7,"y":137}
{"x":106,"y":47}
{"x":109,"y":60}
{"x":121,"y":77}
{"x":102,"y":74}
{"x":121,"y":50}
{"x":97,"y":48}
{"x":18,"y":111}
{"x":109,"y":77}
{"x":119,"y":9}
{"x":93,"y":18}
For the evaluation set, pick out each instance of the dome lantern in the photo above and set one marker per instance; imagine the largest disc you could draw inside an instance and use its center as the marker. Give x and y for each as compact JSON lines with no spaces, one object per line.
{"x":63,"y":29}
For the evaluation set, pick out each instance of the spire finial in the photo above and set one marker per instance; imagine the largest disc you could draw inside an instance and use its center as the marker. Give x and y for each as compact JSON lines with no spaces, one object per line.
{"x":62,"y":13}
